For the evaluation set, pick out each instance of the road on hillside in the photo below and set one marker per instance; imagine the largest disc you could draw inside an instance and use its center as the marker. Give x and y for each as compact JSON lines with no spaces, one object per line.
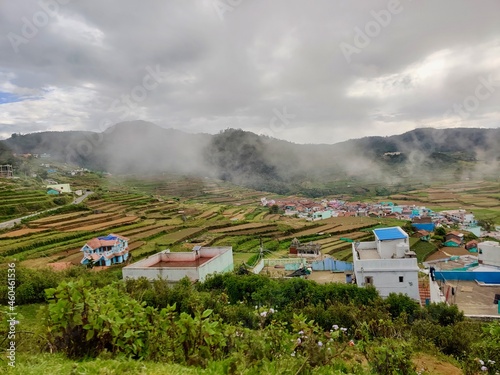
{"x":13,"y":222}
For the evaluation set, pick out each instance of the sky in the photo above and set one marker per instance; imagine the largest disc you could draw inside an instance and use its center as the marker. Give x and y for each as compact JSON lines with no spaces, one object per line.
{"x":321,"y":71}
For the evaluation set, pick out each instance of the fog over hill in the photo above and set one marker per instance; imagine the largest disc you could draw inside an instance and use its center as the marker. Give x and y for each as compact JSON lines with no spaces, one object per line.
{"x":140,"y":147}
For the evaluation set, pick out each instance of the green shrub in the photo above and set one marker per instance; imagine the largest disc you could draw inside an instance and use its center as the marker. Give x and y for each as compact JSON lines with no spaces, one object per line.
{"x":444,"y":314}
{"x":401,"y":303}
{"x":83,"y":321}
{"x":390,"y":357}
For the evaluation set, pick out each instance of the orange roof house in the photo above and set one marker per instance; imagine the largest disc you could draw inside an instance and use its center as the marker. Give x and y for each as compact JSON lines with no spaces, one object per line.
{"x":105,"y":251}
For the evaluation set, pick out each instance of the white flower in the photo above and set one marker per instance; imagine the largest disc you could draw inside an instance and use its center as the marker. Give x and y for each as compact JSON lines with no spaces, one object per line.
{"x":293,"y":354}
{"x":484,"y":368}
{"x":271,"y":311}
{"x":335,"y":327}
{"x":299,"y":341}
{"x":320,"y":344}
{"x":481,"y":362}
{"x":343,"y":329}
{"x":301,"y":332}
{"x":263,"y":314}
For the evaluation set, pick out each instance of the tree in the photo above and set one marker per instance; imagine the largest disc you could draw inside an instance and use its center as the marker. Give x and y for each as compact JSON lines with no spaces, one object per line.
{"x":274,"y":209}
{"x":487,"y":224}
{"x":440,"y":231}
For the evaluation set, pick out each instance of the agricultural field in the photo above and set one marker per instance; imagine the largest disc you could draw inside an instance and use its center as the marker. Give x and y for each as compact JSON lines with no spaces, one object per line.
{"x":481,"y":198}
{"x":18,"y":202}
{"x":180,"y":213}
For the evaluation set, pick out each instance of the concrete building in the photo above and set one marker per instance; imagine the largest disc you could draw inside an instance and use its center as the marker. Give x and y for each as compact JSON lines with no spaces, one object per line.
{"x":460,"y":216}
{"x":307,"y":250}
{"x":173,"y":266}
{"x":63,"y":188}
{"x":321,"y":215}
{"x":489,"y":253}
{"x":387,"y":263}
{"x":6,"y":171}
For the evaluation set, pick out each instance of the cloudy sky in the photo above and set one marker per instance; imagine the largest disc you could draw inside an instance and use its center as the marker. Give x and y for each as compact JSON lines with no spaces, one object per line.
{"x":306,"y":71}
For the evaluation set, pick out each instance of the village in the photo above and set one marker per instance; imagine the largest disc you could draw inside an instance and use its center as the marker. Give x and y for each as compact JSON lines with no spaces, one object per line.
{"x":421,"y":217}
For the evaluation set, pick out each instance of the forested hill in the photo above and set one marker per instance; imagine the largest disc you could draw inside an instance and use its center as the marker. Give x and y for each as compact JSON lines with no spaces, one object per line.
{"x":6,"y":156}
{"x":271,"y":164}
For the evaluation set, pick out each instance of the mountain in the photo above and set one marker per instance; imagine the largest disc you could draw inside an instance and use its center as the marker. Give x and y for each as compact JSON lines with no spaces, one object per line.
{"x":260,"y":162}
{"x":128,"y":147}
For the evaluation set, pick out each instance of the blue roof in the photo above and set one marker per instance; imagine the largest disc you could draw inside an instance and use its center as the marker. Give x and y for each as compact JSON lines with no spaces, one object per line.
{"x":393,"y":233}
{"x":108,"y":237}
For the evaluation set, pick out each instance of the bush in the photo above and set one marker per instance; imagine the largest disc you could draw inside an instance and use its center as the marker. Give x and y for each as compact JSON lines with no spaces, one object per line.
{"x":401,"y":303}
{"x":83,"y":321}
{"x":443,"y":314}
{"x":30,"y":284}
{"x":389,"y":357}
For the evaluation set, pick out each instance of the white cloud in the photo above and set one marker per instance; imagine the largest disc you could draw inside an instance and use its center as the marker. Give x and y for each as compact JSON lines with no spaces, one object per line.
{"x":262,"y":55}
{"x":78,"y":31}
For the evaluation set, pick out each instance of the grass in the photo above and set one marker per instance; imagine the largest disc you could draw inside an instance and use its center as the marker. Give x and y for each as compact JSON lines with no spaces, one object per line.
{"x":423,"y":249}
{"x":35,"y":364}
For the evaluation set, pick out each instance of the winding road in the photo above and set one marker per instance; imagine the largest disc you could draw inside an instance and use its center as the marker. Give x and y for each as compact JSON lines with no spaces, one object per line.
{"x":14,"y":222}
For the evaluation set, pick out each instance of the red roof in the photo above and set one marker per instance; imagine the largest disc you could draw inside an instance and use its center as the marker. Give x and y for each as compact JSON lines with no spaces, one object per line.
{"x":425,"y":293}
{"x":109,"y":240}
{"x":96,"y":243}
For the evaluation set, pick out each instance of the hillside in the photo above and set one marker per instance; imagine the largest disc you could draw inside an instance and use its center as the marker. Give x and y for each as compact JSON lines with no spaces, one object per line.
{"x":264,"y":163}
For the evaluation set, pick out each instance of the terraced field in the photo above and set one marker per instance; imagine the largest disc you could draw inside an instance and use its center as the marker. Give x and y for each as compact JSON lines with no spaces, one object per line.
{"x":156,"y":214}
{"x":19,"y":202}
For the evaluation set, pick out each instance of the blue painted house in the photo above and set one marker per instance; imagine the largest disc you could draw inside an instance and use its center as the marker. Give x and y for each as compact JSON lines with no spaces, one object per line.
{"x":105,"y":251}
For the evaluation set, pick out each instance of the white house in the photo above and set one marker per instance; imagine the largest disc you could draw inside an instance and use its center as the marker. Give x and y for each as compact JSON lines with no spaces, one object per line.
{"x":489,"y":253}
{"x":63,"y":188}
{"x":173,"y":266}
{"x":387,"y":263}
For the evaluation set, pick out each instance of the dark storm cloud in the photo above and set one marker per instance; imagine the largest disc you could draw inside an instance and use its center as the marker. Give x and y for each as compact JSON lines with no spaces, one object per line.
{"x":233,"y":64}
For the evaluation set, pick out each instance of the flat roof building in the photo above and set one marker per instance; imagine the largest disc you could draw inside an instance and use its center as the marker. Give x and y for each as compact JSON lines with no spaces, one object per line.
{"x":387,"y":263}
{"x":173,"y":266}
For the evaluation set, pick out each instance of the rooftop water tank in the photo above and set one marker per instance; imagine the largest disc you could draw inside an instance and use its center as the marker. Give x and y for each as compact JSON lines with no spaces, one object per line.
{"x":401,"y":249}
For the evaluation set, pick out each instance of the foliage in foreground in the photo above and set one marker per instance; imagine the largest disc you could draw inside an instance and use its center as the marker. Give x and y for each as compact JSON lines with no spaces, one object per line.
{"x":249,"y":324}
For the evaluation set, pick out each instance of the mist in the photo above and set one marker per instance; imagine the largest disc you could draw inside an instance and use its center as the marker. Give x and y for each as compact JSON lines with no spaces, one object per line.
{"x":263,"y":163}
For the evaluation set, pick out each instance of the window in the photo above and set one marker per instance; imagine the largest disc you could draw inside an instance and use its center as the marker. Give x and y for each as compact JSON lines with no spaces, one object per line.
{"x":368,"y":280}
{"x":401,"y":279}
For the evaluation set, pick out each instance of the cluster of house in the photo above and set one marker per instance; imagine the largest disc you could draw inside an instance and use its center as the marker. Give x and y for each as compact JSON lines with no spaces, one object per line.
{"x":36,"y":156}
{"x":390,"y":266}
{"x":58,"y":189}
{"x":421,"y":216}
{"x":312,"y":210}
{"x":387,"y":263}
